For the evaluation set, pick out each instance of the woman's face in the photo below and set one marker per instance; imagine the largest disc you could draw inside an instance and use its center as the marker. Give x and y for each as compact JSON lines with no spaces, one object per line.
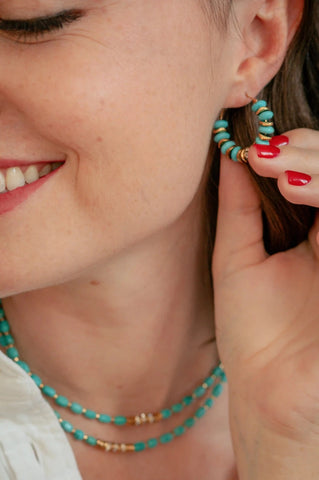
{"x":126,"y":95}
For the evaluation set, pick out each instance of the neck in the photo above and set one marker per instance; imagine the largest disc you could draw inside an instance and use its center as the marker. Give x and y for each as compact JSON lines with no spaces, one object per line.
{"x":134,"y":334}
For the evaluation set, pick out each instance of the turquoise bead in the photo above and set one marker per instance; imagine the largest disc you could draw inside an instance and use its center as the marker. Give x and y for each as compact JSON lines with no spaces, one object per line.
{"x":256,"y":106}
{"x":91,"y":441}
{"x":166,"y":413}
{"x":79,"y":434}
{"x":6,"y":340}
{"x":103,"y":418}
{"x":119,"y":420}
{"x":266,"y":115}
{"x":266,"y":130}
{"x":189,"y":422}
{"x":62,"y":401}
{"x":178,"y":407}
{"x":166,"y":437}
{"x":234,"y":152}
{"x":262,"y":142}
{"x":76,"y":408}
{"x":226,"y":146}
{"x":217,"y":390}
{"x":24,"y":366}
{"x":223,"y":377}
{"x":12,"y":352}
{"x":4,"y":326}
{"x":139,"y":446}
{"x":209,"y":381}
{"x":179,"y":430}
{"x":48,"y":391}
{"x":1,"y":312}
{"x":200,"y":412}
{"x":90,"y":414}
{"x":217,"y":371}
{"x":9,"y":339}
{"x":219,"y":136}
{"x":220,"y":124}
{"x":37,"y":380}
{"x":67,"y":426}
{"x":199,"y":391}
{"x":152,"y":442}
{"x":209,"y":402}
{"x":188,"y":400}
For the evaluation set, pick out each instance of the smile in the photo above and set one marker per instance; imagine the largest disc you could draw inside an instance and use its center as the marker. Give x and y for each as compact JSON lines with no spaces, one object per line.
{"x":17,"y":177}
{"x":18,"y":183}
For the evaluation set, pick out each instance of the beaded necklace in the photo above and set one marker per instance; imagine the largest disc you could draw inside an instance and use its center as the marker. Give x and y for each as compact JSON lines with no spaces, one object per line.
{"x":211,"y":384}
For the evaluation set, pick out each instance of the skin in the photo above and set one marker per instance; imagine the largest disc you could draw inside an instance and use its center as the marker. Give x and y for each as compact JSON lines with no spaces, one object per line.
{"x":269,"y":345}
{"x":113,"y":247}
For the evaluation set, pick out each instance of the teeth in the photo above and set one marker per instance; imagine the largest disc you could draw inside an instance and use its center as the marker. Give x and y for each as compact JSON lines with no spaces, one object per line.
{"x":45,"y":170}
{"x":31,"y":174}
{"x":2,"y":183}
{"x":14,"y":178}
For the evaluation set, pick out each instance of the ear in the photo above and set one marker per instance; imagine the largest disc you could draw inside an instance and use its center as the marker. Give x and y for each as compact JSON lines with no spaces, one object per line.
{"x":267,"y":28}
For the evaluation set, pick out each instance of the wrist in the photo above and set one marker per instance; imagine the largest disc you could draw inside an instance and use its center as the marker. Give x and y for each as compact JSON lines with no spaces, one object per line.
{"x":264,"y":454}
{"x":275,"y":433}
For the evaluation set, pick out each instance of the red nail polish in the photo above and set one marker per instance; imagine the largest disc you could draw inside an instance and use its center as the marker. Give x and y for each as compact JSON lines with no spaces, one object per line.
{"x":298,"y":179}
{"x":279,"y":141}
{"x":267,"y":151}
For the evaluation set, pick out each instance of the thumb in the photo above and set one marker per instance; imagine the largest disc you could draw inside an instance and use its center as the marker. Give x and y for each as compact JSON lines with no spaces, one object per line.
{"x":239,"y":235}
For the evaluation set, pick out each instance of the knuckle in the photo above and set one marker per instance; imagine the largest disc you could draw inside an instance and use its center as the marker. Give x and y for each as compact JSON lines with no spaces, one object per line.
{"x":258,"y":165}
{"x":293,"y":195}
{"x":301,"y":136}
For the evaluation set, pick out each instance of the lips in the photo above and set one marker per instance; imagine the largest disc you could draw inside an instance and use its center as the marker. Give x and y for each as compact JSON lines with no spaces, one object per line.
{"x":20,"y":180}
{"x":16,"y":176}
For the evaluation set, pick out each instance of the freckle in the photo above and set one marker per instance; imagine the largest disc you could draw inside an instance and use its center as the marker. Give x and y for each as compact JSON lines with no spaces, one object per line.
{"x":119,"y":387}
{"x":94,"y":282}
{"x":99,"y":139}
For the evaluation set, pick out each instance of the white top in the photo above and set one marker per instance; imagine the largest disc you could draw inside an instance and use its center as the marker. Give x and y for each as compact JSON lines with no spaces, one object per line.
{"x":33,"y":445}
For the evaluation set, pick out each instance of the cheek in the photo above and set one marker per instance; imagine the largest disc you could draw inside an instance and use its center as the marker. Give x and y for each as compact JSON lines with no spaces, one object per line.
{"x":138,"y":137}
{"x":135,"y":120}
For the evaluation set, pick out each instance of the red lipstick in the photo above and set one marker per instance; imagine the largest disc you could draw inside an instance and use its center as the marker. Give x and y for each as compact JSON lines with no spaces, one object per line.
{"x":10,"y":200}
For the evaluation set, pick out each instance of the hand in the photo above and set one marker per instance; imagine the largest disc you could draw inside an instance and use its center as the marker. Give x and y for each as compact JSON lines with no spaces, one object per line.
{"x":267,"y":319}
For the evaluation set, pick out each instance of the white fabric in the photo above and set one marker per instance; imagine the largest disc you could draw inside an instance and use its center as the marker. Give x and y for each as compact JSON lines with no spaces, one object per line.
{"x":33,"y":445}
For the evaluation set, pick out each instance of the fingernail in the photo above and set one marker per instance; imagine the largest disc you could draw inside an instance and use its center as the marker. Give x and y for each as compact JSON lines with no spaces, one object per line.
{"x":279,"y":141}
{"x":298,"y":179}
{"x":267,"y":151}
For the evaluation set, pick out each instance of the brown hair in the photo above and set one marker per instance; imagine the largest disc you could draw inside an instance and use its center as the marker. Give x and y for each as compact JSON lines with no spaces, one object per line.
{"x":293,"y":95}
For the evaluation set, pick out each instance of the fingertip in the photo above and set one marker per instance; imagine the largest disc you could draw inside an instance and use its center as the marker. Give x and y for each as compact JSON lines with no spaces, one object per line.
{"x":266,"y":151}
{"x":279,"y":141}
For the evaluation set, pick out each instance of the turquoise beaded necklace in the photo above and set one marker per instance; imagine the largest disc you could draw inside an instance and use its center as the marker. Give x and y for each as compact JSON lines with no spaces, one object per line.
{"x":211,"y":384}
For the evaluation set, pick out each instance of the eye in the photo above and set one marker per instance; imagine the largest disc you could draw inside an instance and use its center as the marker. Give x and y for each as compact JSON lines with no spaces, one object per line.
{"x":35,"y":27}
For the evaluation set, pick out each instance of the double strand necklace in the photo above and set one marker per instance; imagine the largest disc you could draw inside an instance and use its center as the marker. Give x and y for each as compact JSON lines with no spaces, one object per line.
{"x":212,"y":384}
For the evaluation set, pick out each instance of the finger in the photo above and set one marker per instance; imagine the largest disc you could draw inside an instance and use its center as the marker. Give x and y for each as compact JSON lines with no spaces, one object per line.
{"x":239,"y":234}
{"x":303,"y":138}
{"x":272,"y":161}
{"x":299,"y":188}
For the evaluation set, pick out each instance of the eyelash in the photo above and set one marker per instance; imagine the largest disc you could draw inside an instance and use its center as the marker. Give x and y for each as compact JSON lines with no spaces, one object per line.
{"x":34,"y":28}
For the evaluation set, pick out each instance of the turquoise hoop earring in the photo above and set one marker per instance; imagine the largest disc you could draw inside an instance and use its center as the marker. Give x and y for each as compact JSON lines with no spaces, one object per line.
{"x":265,"y":132}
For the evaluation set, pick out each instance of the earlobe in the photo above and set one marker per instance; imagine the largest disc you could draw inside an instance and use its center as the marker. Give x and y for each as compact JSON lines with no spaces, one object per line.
{"x":266,"y":37}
